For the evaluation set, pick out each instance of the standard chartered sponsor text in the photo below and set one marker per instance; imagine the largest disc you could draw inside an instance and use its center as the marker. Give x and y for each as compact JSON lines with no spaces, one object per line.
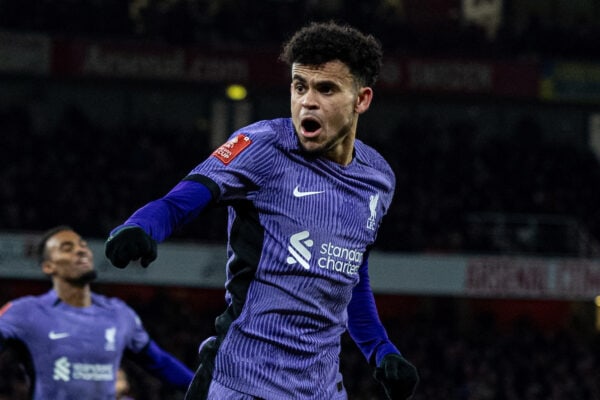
{"x":93,"y":372}
{"x":339,"y":259}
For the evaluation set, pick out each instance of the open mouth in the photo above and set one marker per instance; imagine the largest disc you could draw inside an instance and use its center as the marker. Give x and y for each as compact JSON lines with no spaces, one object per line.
{"x":310,"y":127}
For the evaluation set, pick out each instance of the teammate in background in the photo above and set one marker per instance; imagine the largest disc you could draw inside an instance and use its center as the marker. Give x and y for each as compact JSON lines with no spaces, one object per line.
{"x":76,"y":338}
{"x":305,"y":199}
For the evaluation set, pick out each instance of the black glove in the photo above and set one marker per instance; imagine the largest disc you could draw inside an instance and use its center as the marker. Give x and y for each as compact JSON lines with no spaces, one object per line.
{"x":199,"y":386}
{"x":398,"y":377}
{"x":128,"y":244}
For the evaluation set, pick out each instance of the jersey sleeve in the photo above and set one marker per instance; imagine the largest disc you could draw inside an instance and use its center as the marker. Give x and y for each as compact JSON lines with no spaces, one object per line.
{"x":364,"y":325}
{"x":241,"y":165}
{"x":182,"y":204}
{"x":13,"y":320}
{"x":232,"y":172}
{"x":164,"y":366}
{"x":137,"y":338}
{"x":153,"y":358}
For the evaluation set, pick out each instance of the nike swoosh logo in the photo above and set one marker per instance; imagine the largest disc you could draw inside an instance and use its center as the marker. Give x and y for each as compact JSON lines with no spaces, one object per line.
{"x":298,"y":193}
{"x":54,"y":335}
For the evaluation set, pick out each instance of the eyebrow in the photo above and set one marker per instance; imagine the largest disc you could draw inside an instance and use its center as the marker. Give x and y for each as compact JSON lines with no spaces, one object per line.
{"x":71,"y":243}
{"x":297,"y":77}
{"x":329,"y":82}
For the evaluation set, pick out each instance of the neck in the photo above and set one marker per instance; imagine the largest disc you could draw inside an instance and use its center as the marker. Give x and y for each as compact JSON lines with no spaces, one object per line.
{"x":73,"y":295}
{"x":343,"y":152}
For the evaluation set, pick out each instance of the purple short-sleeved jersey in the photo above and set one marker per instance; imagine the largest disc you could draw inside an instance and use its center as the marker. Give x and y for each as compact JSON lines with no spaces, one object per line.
{"x":75,"y":351}
{"x":299,"y":226}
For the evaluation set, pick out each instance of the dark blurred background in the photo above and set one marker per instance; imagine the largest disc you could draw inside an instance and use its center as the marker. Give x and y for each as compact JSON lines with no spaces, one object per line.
{"x":487,"y":110}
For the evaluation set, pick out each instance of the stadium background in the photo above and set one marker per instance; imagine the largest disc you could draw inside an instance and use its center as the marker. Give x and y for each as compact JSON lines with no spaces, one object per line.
{"x":488,"y":111}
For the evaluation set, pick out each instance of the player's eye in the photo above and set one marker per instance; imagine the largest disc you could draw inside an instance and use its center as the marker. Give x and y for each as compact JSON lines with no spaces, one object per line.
{"x":299,"y":88}
{"x":326,"y":89}
{"x":67,"y":247}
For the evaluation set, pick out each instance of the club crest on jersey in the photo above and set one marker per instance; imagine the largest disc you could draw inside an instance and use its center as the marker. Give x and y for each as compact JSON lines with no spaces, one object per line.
{"x":110,"y":335}
{"x":231,"y":149}
{"x":373,"y":208}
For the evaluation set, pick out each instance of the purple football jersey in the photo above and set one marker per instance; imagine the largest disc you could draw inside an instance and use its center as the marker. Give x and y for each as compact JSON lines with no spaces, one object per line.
{"x":300,"y":226}
{"x":76,"y":351}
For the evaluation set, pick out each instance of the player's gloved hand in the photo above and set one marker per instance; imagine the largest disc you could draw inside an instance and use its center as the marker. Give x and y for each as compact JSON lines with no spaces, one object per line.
{"x":398,"y":377}
{"x":207,"y":353}
{"x":128,"y":244}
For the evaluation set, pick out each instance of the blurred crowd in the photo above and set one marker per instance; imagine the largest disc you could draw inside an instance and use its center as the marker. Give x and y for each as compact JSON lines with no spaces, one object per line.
{"x":474,"y":358}
{"x":82,"y":174}
{"x":447,"y":176}
{"x":555,"y":29}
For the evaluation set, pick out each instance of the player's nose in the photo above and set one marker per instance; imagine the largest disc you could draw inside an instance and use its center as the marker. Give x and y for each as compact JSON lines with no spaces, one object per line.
{"x":83,"y":251}
{"x":309,"y":99}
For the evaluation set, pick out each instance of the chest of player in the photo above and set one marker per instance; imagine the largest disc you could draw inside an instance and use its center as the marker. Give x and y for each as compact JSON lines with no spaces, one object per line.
{"x":325,"y":201}
{"x":79,"y":337}
{"x":321,"y":220}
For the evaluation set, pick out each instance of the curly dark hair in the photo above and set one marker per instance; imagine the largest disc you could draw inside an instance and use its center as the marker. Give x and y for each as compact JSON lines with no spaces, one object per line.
{"x":320,"y":42}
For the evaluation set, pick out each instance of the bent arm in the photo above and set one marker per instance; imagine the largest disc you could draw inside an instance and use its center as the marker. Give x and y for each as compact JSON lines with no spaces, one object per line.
{"x":364,"y":324}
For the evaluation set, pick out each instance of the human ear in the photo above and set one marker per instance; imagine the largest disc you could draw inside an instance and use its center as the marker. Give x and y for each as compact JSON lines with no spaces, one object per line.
{"x":363,"y":100}
{"x":47,"y":267}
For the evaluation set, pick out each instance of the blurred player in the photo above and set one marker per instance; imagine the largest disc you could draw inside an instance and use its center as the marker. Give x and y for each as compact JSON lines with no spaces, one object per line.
{"x":76,"y":338}
{"x":306,"y":199}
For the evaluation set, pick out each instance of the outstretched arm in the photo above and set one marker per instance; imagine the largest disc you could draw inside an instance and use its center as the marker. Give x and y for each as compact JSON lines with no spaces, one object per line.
{"x":182,"y":204}
{"x":154,"y":222}
{"x":164,"y":366}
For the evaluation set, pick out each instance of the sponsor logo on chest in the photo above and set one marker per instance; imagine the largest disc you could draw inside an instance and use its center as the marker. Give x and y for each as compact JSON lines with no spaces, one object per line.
{"x":65,"y":371}
{"x":330,"y":256}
